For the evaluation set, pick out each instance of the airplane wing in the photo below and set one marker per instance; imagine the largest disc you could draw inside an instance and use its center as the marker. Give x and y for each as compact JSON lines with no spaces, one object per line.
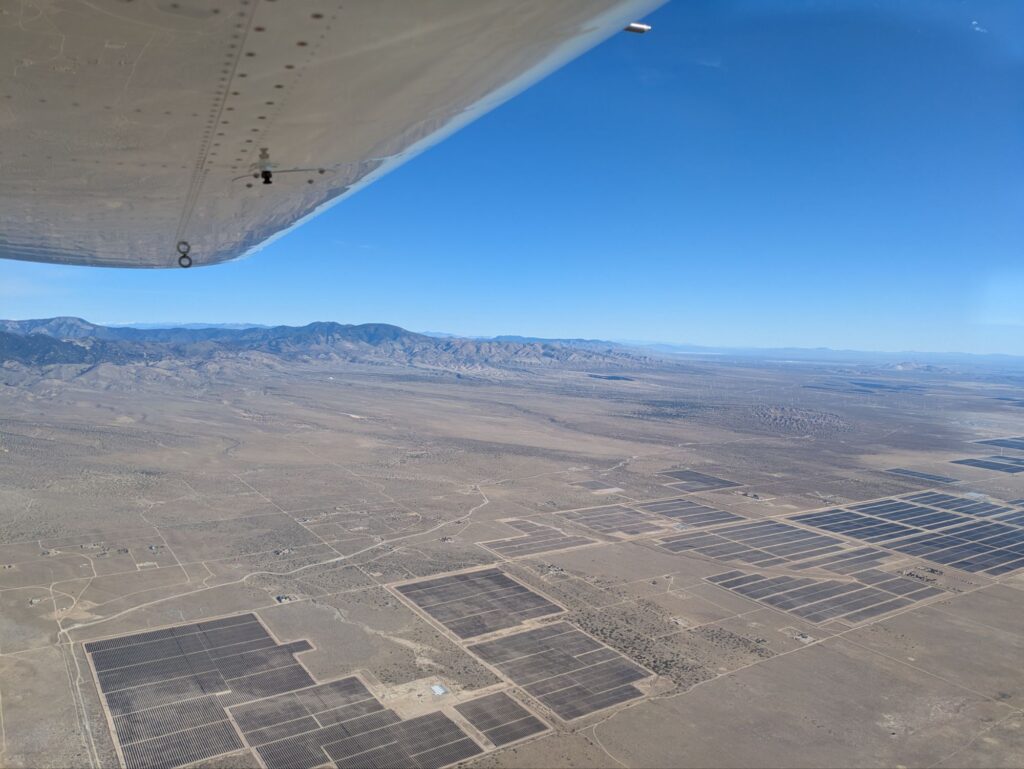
{"x":136,"y":131}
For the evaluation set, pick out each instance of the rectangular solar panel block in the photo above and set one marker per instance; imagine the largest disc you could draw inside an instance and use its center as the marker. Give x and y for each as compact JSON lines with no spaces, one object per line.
{"x":1006,"y":568}
{"x":291,"y":754}
{"x":182,"y":747}
{"x":491,"y":711}
{"x":271,"y":682}
{"x":570,"y":704}
{"x":448,"y":754}
{"x":680,"y":543}
{"x":922,"y":476}
{"x":360,"y":743}
{"x":348,"y":712}
{"x":363,"y":724}
{"x":276,"y":710}
{"x":820,"y":607}
{"x":427,"y":732}
{"x":153,"y":651}
{"x":282,"y":730}
{"x":877,"y":610}
{"x":256,"y":661}
{"x":598,"y":655}
{"x":1015,"y":517}
{"x":744,"y":580}
{"x":154,"y":695}
{"x":726,"y":550}
{"x":777,"y":585}
{"x":749,"y":557}
{"x":154,"y":672}
{"x":537,"y":667}
{"x":516,"y":730}
{"x":608,"y":675}
{"x":1005,"y":443}
{"x":165,"y":719}
{"x":939,"y":520}
{"x":171,"y":632}
{"x":815,"y":593}
{"x":989,"y":464}
{"x":333,"y":694}
{"x":92,"y":647}
{"x":851,"y":565}
{"x":769,"y":562}
{"x":385,"y":757}
{"x":983,"y":561}
{"x":847,"y":604}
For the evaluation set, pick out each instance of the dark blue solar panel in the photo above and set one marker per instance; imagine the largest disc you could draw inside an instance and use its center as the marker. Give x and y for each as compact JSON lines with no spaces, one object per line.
{"x":936,"y":521}
{"x":1006,"y":568}
{"x":1016,"y":518}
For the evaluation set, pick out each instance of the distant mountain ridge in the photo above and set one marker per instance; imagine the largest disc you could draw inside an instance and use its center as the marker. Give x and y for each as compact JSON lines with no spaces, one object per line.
{"x":67,"y":340}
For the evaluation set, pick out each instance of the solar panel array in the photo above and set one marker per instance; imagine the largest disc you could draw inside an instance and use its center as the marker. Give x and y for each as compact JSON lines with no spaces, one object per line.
{"x":184,"y":747}
{"x":535,"y":539}
{"x":615,"y":519}
{"x":344,"y":721}
{"x":424,"y":742}
{"x":501,"y":719}
{"x":161,"y":686}
{"x":1006,"y":443}
{"x":872,"y":594}
{"x":477,"y":602}
{"x":967,"y":534}
{"x":930,"y":477}
{"x":691,"y":480}
{"x":169,"y":693}
{"x":971,"y":506}
{"x":689,"y":513}
{"x":1011,"y":465}
{"x":564,"y":668}
{"x":761,"y":543}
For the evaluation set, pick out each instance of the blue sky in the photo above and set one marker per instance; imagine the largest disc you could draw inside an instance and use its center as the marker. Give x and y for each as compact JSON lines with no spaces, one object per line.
{"x":762,"y":173}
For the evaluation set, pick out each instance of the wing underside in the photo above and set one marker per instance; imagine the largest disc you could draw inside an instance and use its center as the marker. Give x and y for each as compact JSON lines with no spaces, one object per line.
{"x":129,"y":126}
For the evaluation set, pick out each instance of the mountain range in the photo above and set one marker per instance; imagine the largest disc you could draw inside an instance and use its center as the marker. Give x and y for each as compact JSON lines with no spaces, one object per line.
{"x":67,"y":340}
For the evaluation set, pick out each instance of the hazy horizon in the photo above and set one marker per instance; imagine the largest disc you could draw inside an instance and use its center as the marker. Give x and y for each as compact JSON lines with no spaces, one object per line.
{"x":683,"y":346}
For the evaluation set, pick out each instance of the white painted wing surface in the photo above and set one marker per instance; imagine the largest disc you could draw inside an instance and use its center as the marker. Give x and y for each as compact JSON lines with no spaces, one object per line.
{"x":127,"y":126}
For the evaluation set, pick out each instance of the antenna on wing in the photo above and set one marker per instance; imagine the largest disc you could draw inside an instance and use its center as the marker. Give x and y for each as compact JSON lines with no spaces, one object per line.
{"x":184,"y":260}
{"x":266,"y":173}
